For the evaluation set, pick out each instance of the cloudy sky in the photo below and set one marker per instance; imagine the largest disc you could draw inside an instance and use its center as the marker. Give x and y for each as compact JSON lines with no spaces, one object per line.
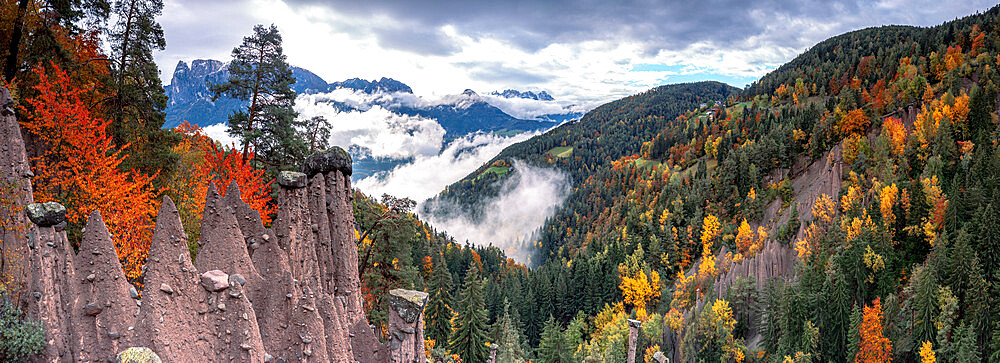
{"x":583,"y":50}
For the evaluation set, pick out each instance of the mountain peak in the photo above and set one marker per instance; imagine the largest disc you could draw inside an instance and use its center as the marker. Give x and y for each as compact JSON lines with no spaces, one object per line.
{"x":511,"y":93}
{"x":384,"y":84}
{"x":469,"y":92}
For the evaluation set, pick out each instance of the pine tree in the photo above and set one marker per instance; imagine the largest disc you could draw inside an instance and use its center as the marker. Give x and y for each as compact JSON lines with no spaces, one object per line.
{"x":987,"y":238}
{"x":509,"y":338}
{"x":137,"y":97}
{"x":551,"y":349}
{"x":318,"y":133}
{"x":438,"y":310}
{"x":259,"y":74}
{"x":962,"y":265}
{"x":468,"y":335}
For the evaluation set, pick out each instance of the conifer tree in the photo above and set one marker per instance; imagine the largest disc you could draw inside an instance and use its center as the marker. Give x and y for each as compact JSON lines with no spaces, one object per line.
{"x":509,"y":338}
{"x":924,"y":303}
{"x":835,"y":319}
{"x":468,"y":334}
{"x":551,"y":348}
{"x":438,"y":311}
{"x":260,"y":75}
{"x":137,"y":100}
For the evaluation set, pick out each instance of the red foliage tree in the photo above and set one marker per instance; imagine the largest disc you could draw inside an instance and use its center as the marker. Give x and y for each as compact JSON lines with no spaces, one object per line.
{"x":80,"y":167}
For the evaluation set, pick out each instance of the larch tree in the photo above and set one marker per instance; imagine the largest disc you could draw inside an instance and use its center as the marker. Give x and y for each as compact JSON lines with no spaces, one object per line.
{"x":260,"y":75}
{"x":468,"y":336}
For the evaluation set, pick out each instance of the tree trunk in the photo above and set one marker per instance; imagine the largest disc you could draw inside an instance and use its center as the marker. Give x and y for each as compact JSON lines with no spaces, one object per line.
{"x":117,"y":117}
{"x":252,"y":112}
{"x":10,"y":68}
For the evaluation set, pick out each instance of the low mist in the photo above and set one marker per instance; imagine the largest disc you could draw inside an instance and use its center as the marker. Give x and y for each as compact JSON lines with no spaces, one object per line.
{"x":529,"y":196}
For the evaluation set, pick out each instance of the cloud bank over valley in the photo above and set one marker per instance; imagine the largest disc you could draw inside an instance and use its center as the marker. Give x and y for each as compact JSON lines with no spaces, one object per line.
{"x":529,"y":196}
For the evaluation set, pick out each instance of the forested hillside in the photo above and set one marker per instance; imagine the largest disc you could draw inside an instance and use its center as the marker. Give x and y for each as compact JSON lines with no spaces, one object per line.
{"x":897,"y":263}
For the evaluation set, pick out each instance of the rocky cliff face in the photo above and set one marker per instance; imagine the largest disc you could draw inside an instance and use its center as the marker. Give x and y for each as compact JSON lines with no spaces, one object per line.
{"x":253,"y":294}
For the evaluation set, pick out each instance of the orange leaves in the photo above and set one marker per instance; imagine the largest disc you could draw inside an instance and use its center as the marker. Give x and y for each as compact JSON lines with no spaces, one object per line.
{"x":874,"y":346}
{"x":854,"y":122}
{"x":823,"y":211}
{"x":80,"y":168}
{"x":939,"y":204}
{"x":226,"y":167}
{"x":896,"y":134}
{"x":954,"y":57}
{"x":638,"y":290}
{"x":746,"y":243}
{"x":978,"y":38}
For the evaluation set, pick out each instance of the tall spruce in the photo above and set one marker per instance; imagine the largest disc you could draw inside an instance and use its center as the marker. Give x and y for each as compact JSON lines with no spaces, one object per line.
{"x":260,"y":75}
{"x":468,"y":335}
{"x":438,"y":311}
{"x":925,"y":307}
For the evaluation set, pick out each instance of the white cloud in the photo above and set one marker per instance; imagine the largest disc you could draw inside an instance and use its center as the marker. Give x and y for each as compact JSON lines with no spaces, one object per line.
{"x":529,"y":196}
{"x":218,"y":133}
{"x":529,"y":109}
{"x":428,"y":175}
{"x":383,"y":132}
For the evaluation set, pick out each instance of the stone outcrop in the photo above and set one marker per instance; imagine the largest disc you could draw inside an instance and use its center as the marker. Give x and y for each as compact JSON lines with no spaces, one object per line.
{"x":406,"y":325}
{"x":15,"y":188}
{"x":633,"y":339}
{"x":252,"y":294}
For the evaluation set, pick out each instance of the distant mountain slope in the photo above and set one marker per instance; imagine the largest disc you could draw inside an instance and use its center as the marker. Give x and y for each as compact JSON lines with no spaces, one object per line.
{"x":609,"y":132}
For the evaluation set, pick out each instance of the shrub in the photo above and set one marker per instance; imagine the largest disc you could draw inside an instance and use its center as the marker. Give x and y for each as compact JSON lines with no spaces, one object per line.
{"x":20,"y":337}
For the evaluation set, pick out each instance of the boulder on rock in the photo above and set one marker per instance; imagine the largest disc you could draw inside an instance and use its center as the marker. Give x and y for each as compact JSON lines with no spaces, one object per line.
{"x":407,"y":303}
{"x":137,"y":355}
{"x":292,"y":179}
{"x":330,"y":160}
{"x":46,"y":214}
{"x":215,"y":280}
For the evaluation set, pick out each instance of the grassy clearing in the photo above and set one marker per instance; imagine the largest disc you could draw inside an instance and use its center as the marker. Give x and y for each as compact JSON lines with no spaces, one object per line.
{"x":562,"y":151}
{"x":498,"y":170}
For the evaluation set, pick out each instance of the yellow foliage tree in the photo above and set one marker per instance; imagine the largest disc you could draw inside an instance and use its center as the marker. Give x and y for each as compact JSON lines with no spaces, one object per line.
{"x":744,"y":237}
{"x":823,"y":211}
{"x":638,"y":290}
{"x":926,"y":353}
{"x":887,"y":199}
{"x":709,"y":230}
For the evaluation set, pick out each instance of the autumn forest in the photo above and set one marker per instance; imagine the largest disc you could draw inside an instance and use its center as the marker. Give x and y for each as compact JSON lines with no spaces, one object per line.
{"x":840,"y":208}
